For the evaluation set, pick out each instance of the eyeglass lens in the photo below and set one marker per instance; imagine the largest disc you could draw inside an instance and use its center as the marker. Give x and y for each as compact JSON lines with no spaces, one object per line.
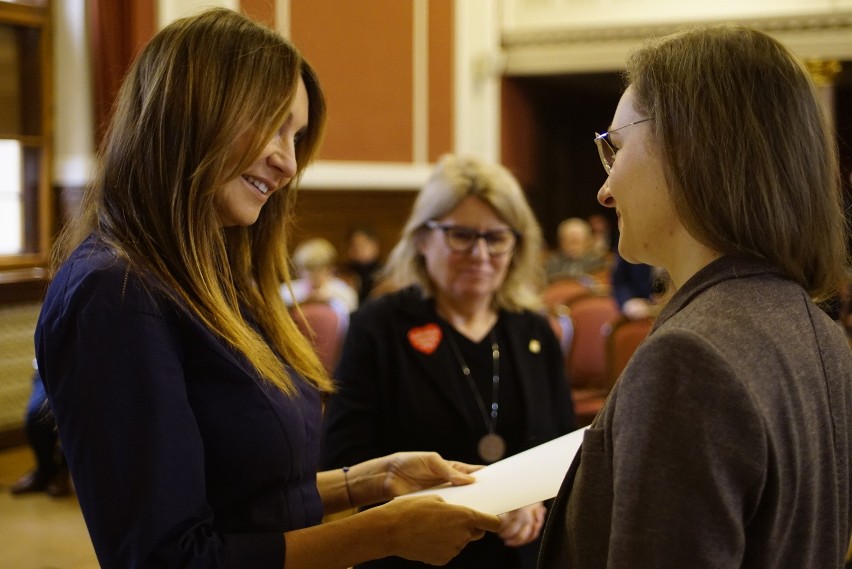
{"x":462,"y":239}
{"x":605,"y":150}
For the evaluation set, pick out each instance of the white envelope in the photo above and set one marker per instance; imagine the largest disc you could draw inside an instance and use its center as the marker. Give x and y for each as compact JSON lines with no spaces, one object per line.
{"x":528,"y":477}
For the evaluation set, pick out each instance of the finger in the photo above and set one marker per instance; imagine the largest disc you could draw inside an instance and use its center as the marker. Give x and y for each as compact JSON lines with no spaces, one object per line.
{"x":512,"y":525}
{"x":458,"y":473}
{"x":539,"y":523}
{"x":524,"y":536}
{"x":487,"y":522}
{"x":431,"y":497}
{"x":465,"y":467}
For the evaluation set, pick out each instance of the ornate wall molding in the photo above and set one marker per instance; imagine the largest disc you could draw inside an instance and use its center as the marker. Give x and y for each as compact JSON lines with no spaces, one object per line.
{"x":542,"y":51}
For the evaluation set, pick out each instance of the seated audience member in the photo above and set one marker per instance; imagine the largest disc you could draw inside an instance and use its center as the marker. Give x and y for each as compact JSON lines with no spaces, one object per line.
{"x":51,"y":473}
{"x":634,"y":286}
{"x":601,"y":234}
{"x":314,"y":262}
{"x":363,"y":263}
{"x":726,"y":441}
{"x":459,"y":361}
{"x":577,"y":257}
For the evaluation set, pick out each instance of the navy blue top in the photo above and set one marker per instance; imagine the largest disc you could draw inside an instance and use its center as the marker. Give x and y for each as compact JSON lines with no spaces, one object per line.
{"x":180,"y":454}
{"x":630,"y":280}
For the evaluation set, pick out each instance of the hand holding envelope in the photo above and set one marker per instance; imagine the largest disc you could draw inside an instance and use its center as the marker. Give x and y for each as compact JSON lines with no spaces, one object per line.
{"x":528,"y":477}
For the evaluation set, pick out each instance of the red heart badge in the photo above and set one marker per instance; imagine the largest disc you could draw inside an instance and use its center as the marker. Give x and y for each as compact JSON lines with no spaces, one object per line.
{"x":425,"y":339}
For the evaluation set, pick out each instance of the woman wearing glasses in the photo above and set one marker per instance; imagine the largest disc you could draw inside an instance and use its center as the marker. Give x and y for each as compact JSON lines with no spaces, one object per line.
{"x":726,"y":441}
{"x":457,"y":361}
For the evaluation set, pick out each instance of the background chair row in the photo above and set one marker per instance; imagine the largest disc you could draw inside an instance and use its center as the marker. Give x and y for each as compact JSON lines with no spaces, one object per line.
{"x":319,"y":322}
{"x":601,"y":345}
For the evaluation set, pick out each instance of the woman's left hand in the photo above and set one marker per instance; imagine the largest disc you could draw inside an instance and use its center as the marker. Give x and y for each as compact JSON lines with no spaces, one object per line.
{"x":523,"y":525}
{"x":412,"y":471}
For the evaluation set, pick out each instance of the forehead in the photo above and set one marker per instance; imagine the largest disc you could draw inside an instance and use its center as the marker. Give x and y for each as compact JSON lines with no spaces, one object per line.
{"x":472,"y":210}
{"x":625,"y":112}
{"x":301,"y":102}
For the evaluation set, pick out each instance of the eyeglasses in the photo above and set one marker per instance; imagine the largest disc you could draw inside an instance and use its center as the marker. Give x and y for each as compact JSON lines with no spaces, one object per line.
{"x":461,"y":239}
{"x":606,"y":150}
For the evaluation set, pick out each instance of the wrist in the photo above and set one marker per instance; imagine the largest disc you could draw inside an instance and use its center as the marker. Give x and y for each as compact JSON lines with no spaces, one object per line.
{"x":348,"y":489}
{"x":366,"y":482}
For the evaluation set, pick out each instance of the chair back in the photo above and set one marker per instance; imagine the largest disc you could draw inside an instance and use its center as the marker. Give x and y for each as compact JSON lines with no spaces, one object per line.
{"x":563,"y":292}
{"x":624,"y":337}
{"x":320,"y":324}
{"x":591,"y":317}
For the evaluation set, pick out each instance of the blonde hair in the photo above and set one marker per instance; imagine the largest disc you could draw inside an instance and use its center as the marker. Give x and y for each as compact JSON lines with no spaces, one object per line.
{"x":575,"y":223}
{"x":196,"y":88}
{"x":749,"y":157}
{"x":314,"y":254}
{"x":454,"y":179}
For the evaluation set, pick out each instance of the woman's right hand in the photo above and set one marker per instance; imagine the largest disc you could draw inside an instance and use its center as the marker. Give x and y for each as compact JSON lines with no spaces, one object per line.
{"x":430,"y":530}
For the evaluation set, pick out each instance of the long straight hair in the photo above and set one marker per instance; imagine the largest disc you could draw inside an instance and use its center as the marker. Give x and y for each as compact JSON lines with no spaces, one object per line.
{"x":196,"y":109}
{"x":749,"y":157}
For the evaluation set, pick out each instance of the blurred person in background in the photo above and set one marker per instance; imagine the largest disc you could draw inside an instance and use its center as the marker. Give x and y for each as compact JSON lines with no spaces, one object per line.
{"x":314,"y":261}
{"x":577,"y":256}
{"x":459,"y":359}
{"x":363,"y":262}
{"x":50,"y":474}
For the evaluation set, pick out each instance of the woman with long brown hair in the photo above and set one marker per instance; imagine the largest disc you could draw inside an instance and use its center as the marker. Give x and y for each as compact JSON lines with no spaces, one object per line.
{"x":726,"y":441}
{"x":187,"y":401}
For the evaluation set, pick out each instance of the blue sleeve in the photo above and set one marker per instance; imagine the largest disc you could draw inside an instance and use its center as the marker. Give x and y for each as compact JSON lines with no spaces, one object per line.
{"x":113,"y":368}
{"x":630,"y":281}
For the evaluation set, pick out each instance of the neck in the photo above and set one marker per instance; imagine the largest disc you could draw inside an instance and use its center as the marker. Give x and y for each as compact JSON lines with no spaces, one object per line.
{"x":690,"y":259}
{"x":472,"y":319}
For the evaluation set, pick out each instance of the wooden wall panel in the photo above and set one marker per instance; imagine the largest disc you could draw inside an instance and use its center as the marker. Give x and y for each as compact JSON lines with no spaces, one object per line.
{"x":117,"y":32}
{"x":259,"y":10}
{"x":330,"y":214}
{"x":362,"y":52}
{"x":519,"y":144}
{"x":441,"y":68}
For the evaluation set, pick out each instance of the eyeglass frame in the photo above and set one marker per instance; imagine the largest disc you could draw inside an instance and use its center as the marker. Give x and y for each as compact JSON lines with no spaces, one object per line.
{"x":603,"y":138}
{"x":444,"y":227}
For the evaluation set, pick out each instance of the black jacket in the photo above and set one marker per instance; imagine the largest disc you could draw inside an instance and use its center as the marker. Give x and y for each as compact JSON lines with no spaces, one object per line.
{"x":394,"y":397}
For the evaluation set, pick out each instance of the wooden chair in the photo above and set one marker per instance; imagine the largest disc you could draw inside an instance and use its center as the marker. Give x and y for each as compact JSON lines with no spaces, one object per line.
{"x":563,"y":291}
{"x":586,"y":365}
{"x":320,"y":324}
{"x":624,"y":337}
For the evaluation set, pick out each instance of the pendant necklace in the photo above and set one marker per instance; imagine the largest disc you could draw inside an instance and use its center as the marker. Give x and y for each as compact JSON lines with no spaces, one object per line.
{"x":491,"y":447}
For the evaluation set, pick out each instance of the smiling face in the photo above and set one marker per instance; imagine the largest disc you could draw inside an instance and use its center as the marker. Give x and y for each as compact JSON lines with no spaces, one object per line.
{"x":636,"y":187}
{"x":239,"y":201}
{"x":474,"y":275}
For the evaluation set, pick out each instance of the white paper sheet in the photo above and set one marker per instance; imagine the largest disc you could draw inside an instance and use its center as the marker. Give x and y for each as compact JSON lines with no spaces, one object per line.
{"x":520,"y":480}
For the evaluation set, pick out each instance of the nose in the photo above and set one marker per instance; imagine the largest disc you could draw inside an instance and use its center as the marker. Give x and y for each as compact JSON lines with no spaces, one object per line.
{"x":480,"y":248}
{"x":282,"y":156}
{"x":605,"y":196}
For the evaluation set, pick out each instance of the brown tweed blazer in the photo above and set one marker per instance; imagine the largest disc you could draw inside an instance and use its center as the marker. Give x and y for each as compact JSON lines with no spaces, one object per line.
{"x":726,"y":441}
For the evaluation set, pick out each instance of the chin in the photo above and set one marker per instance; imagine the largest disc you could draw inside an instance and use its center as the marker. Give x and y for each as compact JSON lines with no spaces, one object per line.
{"x":242,"y":219}
{"x":625,"y":254}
